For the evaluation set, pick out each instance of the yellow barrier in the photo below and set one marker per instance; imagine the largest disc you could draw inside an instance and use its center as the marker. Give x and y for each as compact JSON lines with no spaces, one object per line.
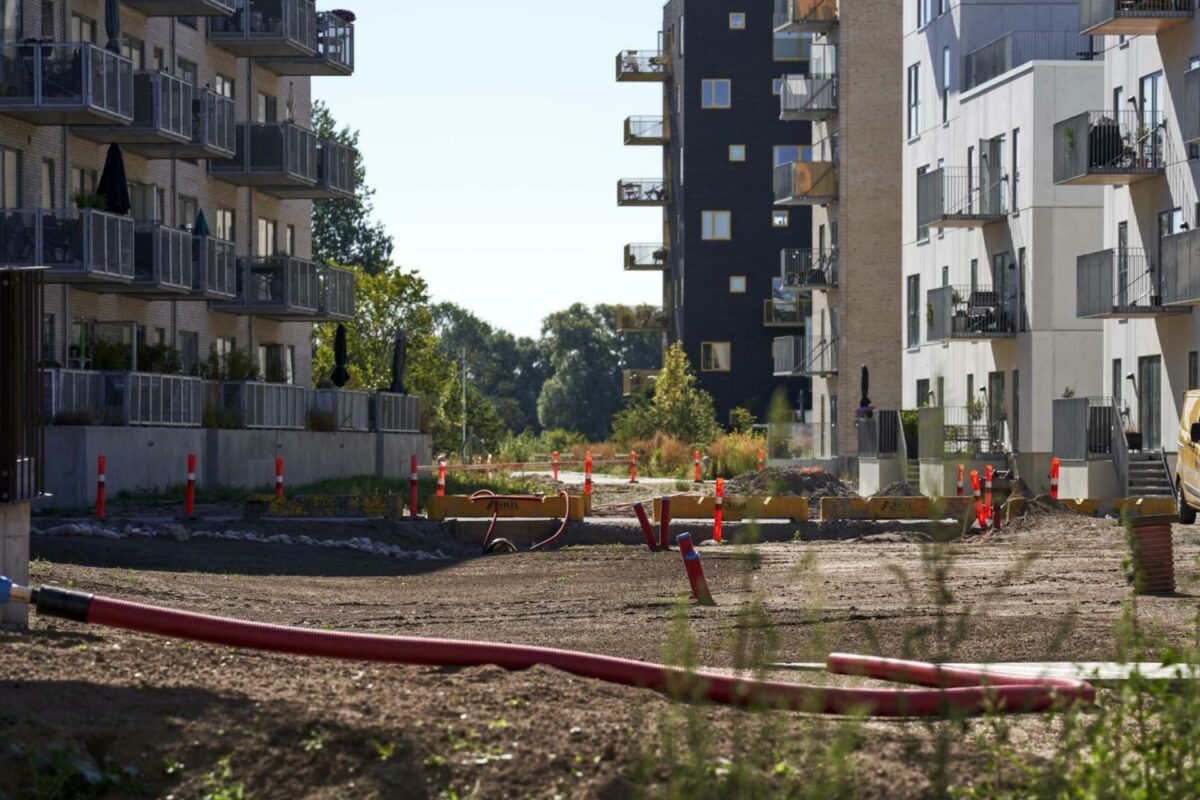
{"x":462,"y":507}
{"x":373,"y":505}
{"x":895,"y":508}
{"x":1126,"y":506}
{"x":736,"y":509}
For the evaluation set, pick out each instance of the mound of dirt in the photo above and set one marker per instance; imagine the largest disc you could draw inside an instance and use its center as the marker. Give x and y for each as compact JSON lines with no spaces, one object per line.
{"x":898,"y":489}
{"x":1045,"y":506}
{"x":789,"y":482}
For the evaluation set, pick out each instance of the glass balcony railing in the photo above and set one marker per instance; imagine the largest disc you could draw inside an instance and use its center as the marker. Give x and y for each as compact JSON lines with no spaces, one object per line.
{"x":1020,"y":47}
{"x":1179,"y":280}
{"x":162,"y":259}
{"x":336,"y":177}
{"x":786,"y":313}
{"x":271,"y":155}
{"x":641,"y":192}
{"x":805,"y":16}
{"x":162,"y":116}
{"x":643,"y":65}
{"x":1109,"y":147}
{"x":1132,"y":17}
{"x":268,"y":28}
{"x":65,"y":84}
{"x":76,"y":246}
{"x":806,"y":183}
{"x":642,"y":319}
{"x":183,"y":8}
{"x":647,"y":258}
{"x":646,"y":131}
{"x":333,"y":54}
{"x":214,"y":268}
{"x":809,"y":97}
{"x":288,"y":288}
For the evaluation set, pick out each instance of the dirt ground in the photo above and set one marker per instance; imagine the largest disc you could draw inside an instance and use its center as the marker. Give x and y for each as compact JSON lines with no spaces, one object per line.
{"x":1046,"y":589}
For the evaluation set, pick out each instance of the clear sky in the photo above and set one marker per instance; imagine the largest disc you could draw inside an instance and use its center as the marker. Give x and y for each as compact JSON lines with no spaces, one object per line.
{"x":492,"y":132}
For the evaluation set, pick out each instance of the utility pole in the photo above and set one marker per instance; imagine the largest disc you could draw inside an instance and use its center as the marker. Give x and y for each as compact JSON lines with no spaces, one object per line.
{"x":464,"y":404}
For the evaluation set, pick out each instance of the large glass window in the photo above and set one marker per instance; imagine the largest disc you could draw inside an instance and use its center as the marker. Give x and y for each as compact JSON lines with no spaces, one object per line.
{"x":715,"y":357}
{"x":267,"y":230}
{"x":914,"y":100}
{"x":10,"y":21}
{"x":83,"y":29}
{"x":914,"y":310}
{"x":188,"y":208}
{"x":716,"y":225}
{"x":10,"y":163}
{"x":792,"y":47}
{"x":788,"y":153}
{"x":716,"y":93}
{"x":227,"y":224}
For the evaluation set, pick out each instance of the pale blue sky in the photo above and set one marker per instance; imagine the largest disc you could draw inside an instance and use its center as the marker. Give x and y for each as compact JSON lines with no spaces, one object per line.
{"x":492,"y":131}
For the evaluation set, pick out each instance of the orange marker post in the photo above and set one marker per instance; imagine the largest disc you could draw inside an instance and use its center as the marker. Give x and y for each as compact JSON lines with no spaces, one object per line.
{"x":413,"y":500}
{"x":980,"y":513}
{"x":101,"y":480}
{"x":695,"y":572}
{"x":960,"y":480}
{"x":441,"y":485}
{"x":587,"y":474}
{"x":719,"y":511}
{"x":633,"y":467}
{"x":1055,"y":465}
{"x":697,"y":462}
{"x":278,"y":476}
{"x":554,"y":465}
{"x":989,"y":473}
{"x":189,"y":501}
{"x":762,"y":460}
{"x":664,"y":524}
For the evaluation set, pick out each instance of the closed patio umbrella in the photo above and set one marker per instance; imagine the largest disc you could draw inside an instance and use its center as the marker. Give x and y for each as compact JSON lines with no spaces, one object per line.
{"x":114,"y":186}
{"x":201,"y":227}
{"x":341,"y":358}
{"x":398,"y":357}
{"x":866,"y":385}
{"x":112,"y":24}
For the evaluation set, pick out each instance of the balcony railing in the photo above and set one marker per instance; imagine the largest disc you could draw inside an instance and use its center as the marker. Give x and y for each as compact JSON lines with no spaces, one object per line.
{"x":22,"y":446}
{"x":961,"y":197}
{"x":75,"y":245}
{"x":210,"y":131}
{"x":337,"y":293}
{"x":271,"y":155}
{"x":879,"y":435}
{"x":274,"y":406}
{"x":1109,"y":147}
{"x":643,"y":65}
{"x":268,"y":28}
{"x":1016,"y":48}
{"x":786,"y":313}
{"x":1131,"y":17}
{"x":351,"y":410}
{"x":647,"y":258}
{"x":1189,"y":118}
{"x":162,"y":116}
{"x":163,"y":259}
{"x":642,"y":319}
{"x":336,"y":177}
{"x":123,"y":398}
{"x":970,"y":429}
{"x":214,"y":268}
{"x":806,"y":356}
{"x":182,"y":8}
{"x":806,"y":183}
{"x":965,"y":312}
{"x":396,"y":413}
{"x":1117,"y":284}
{"x":1180,"y":279}
{"x":641,"y":192}
{"x":646,"y":131}
{"x":334,"y":51}
{"x":809,"y":97}
{"x":636,"y":381}
{"x":1084,"y":427}
{"x":805,"y":16}
{"x":809,"y":270}
{"x":276,"y":286}
{"x":65,"y":84}
{"x":801,"y":441}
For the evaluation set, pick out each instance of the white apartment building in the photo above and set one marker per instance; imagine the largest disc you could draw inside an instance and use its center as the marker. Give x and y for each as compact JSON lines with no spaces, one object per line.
{"x":990,"y":242}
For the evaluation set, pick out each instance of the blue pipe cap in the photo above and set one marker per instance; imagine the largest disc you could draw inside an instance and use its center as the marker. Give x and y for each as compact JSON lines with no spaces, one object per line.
{"x":5,"y":590}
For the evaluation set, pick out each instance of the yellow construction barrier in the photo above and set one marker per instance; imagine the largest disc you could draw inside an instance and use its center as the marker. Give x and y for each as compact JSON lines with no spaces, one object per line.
{"x":372,"y":505}
{"x":736,"y":509}
{"x":895,"y":508}
{"x":1126,"y":506}
{"x":462,"y":507}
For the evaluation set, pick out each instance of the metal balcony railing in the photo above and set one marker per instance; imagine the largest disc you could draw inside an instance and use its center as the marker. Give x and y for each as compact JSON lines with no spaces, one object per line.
{"x":270,"y":156}
{"x":268,"y":28}
{"x":1180,"y":277}
{"x":1016,"y":48}
{"x":801,"y":16}
{"x":635,"y":381}
{"x":808,"y":97}
{"x":22,"y":447}
{"x":337,"y":296}
{"x":643,"y":65}
{"x":75,"y":245}
{"x":641,"y":192}
{"x":336,"y":177}
{"x":211,"y":132}
{"x":288,"y":288}
{"x":124,"y":398}
{"x":1131,"y":17}
{"x":182,"y":8}
{"x":809,"y":270}
{"x":962,"y":197}
{"x":786,"y":313}
{"x":162,"y":115}
{"x":351,"y":410}
{"x":1083,"y":427}
{"x":1109,"y":147}
{"x":806,"y":183}
{"x":1189,"y":118}
{"x":647,"y":257}
{"x":275,"y":406}
{"x":805,"y":356}
{"x":333,"y":55}
{"x":965,"y":312}
{"x":971,"y":429}
{"x":646,"y":130}
{"x":1116,"y":284}
{"x":396,"y":413}
{"x":642,"y":319}
{"x":65,"y":84}
{"x":162,"y":259}
{"x":879,"y":435}
{"x":215,"y":268}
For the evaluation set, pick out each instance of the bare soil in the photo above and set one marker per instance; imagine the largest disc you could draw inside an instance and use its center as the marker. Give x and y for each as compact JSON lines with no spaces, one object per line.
{"x":1050,"y":588}
{"x":813,"y":484}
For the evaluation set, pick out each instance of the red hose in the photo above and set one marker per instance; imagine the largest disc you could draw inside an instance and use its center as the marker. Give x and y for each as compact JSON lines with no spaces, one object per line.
{"x":494,"y":499}
{"x":1001,"y":692}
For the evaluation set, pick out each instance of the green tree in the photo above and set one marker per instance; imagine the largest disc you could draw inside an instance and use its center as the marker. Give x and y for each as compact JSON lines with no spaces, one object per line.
{"x":677,"y":407}
{"x":584,"y":388}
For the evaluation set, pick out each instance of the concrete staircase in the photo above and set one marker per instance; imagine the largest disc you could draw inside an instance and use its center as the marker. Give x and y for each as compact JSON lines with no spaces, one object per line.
{"x":912,"y":475}
{"x":1148,"y":477}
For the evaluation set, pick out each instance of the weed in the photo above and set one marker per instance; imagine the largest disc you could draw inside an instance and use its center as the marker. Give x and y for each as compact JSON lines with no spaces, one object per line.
{"x":58,"y":771}
{"x":317,"y":737}
{"x":220,"y":784}
{"x":386,"y":751}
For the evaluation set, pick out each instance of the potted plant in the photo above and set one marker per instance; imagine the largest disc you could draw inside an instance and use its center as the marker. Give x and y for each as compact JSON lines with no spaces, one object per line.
{"x":85,"y":200}
{"x":1133,"y":438}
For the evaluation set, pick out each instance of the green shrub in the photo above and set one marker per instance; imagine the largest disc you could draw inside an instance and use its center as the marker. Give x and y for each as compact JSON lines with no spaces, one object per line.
{"x":319,"y":419}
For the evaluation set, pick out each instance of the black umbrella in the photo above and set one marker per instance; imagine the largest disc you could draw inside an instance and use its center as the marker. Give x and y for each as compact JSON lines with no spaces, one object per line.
{"x":113,"y":186}
{"x":398,"y":358}
{"x":201,"y":227}
{"x":866,"y":385}
{"x":112,"y":24}
{"x":341,"y":375}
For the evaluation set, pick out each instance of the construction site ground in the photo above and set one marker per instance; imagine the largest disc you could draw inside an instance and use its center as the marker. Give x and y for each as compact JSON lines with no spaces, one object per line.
{"x":1050,"y":587}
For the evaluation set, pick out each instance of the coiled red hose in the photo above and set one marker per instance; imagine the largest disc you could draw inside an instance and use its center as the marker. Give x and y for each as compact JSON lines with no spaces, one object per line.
{"x":964,"y":692}
{"x":494,"y":499}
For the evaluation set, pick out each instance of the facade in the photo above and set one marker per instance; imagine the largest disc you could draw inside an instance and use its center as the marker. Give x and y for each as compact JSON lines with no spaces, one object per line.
{"x":990,"y":238}
{"x":845,"y":271}
{"x":719,"y":64}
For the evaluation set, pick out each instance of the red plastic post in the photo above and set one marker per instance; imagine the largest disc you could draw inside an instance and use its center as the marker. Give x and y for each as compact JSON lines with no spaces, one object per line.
{"x":762,"y":460}
{"x":980,"y":513}
{"x":189,"y":504}
{"x":278,"y":476}
{"x":695,"y":571}
{"x":719,"y":511}
{"x":664,"y":524}
{"x":647,"y":529}
{"x":988,"y":473}
{"x":960,"y":480}
{"x":587,"y":474}
{"x":554,"y":465}
{"x":101,"y":480}
{"x":441,"y":484}
{"x":697,"y":462}
{"x":1055,"y":465}
{"x":633,"y":466}
{"x":413,"y":499}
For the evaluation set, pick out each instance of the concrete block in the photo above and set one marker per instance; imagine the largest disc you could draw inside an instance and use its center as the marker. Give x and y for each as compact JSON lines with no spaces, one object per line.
{"x":462,"y":507}
{"x":14,"y":559}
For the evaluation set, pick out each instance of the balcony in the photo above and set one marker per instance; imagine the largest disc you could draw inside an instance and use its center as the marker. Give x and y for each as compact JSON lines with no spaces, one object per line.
{"x":1020,"y":47}
{"x":642,"y":319}
{"x":779,"y":313}
{"x":271,"y":156}
{"x":973,"y":313}
{"x":805,"y":16}
{"x":77,"y":246}
{"x":333,"y":54}
{"x":804,"y":356}
{"x":806,"y":183}
{"x":268,"y":29}
{"x":1109,"y":147}
{"x":163,"y":261}
{"x":162,"y":117}
{"x":210,"y":132}
{"x":214,"y":268}
{"x":647,"y":258}
{"x":1120,"y":284}
{"x":960,"y":197}
{"x":809,"y":270}
{"x":336,"y":179}
{"x":635,"y":381}
{"x":182,"y":8}
{"x":1180,"y":279}
{"x":808,"y":97}
{"x":1189,"y":117}
{"x":641,"y":192}
{"x":643,"y":66}
{"x":65,"y":84}
{"x":292,"y":289}
{"x":1131,"y":17}
{"x":646,"y":131}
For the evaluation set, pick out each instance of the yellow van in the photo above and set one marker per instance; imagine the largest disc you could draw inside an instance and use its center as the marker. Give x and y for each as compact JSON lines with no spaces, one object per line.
{"x":1187,"y":467}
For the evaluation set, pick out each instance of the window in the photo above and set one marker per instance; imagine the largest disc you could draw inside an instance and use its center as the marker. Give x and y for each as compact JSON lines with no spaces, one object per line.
{"x":186,"y":71}
{"x":1117,"y":379}
{"x":1193,"y":370}
{"x":945,"y":276}
{"x":780,"y":218}
{"x":1015,"y":427}
{"x":227,"y":224}
{"x":924,"y":12}
{"x":914,"y":100}
{"x":1013,"y":175}
{"x":10,"y":179}
{"x":189,"y":351}
{"x":158,"y":60}
{"x":48,"y":338}
{"x":737,"y":21}
{"x":267,"y":229}
{"x":224,"y":348}
{"x":914,"y":310}
{"x":146,"y":201}
{"x":737,"y":152}
{"x":924,"y":396}
{"x":47,"y":19}
{"x":10,"y":21}
{"x":83,"y":29}
{"x":777,"y":86}
{"x":715,"y":356}
{"x":716,"y":225}
{"x":941,"y":390}
{"x":289,"y":240}
{"x":188,"y":21}
{"x":268,"y":108}
{"x":47,"y":183}
{"x":970,"y":389}
{"x":716,"y":93}
{"x":787,"y":153}
{"x":1193,"y":150}
{"x":277,"y":363}
{"x":791,"y":47}
{"x":922,"y":230}
{"x":188,"y":208}
{"x":737,"y":284}
{"x":945,"y":84}
{"x":223,"y":85}
{"x":135,"y":50}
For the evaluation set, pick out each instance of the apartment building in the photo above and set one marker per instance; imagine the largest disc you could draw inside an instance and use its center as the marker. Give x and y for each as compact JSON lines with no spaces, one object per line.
{"x":718,"y":64}
{"x":845,"y":269}
{"x":990,"y":337}
{"x":210,"y":104}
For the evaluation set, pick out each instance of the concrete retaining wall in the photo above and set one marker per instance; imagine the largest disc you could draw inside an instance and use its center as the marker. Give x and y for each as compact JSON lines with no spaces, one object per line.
{"x":156,"y":458}
{"x":876,"y":473}
{"x":1082,"y":479}
{"x":14,"y":558}
{"x":940,"y":478}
